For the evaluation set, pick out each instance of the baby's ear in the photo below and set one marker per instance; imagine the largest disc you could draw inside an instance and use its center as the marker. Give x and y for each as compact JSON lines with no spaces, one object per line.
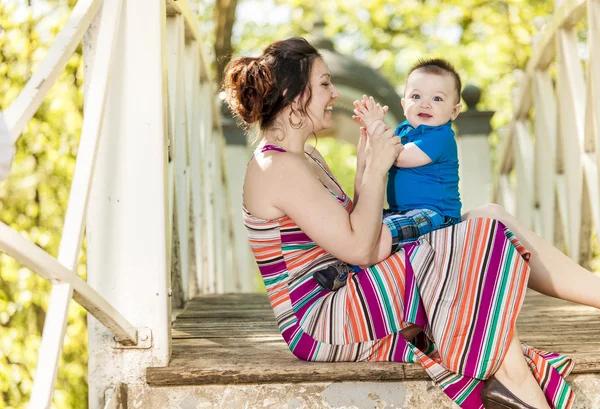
{"x":456,"y":111}
{"x":403,"y":101}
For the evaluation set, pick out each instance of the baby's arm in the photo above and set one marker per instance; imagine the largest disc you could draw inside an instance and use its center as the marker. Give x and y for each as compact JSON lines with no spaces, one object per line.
{"x":369,"y":114}
{"x":412,"y":157}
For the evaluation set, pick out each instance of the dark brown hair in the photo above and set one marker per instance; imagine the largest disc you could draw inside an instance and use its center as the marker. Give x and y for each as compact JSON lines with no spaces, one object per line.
{"x":257,"y":89}
{"x":438,"y":66}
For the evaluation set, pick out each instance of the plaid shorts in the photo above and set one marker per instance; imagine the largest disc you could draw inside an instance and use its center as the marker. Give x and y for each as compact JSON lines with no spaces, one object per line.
{"x":408,"y":225}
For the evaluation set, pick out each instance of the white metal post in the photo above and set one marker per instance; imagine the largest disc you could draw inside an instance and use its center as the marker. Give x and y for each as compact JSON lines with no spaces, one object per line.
{"x":127,"y":218}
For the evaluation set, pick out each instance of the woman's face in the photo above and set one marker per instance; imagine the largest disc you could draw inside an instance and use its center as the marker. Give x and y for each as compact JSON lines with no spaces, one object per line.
{"x":323,"y":94}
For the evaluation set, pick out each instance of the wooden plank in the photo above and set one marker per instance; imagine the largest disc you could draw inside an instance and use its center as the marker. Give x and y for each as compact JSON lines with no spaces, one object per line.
{"x":212,"y":347}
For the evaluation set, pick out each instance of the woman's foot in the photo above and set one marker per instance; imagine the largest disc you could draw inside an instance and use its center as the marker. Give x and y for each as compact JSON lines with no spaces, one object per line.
{"x":524,"y":387}
{"x":495,"y":395}
{"x":515,"y":375}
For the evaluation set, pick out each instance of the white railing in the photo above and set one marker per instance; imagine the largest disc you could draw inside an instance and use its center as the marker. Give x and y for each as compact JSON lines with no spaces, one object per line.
{"x":197,"y":172}
{"x":548,"y":170}
{"x":196,"y":185}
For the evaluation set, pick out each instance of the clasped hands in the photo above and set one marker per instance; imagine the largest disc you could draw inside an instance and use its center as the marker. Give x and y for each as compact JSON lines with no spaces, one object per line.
{"x":377,"y":139}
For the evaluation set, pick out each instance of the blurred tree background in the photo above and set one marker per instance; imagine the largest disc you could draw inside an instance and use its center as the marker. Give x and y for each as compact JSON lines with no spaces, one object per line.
{"x":486,"y":40}
{"x":33,"y":201}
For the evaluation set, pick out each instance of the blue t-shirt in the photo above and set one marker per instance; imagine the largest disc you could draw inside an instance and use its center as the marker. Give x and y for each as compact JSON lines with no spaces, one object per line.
{"x":433,"y":186}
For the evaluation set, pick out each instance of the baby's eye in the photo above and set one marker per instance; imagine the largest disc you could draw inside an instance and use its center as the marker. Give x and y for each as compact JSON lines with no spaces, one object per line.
{"x":416,"y":96}
{"x":326,"y":84}
{"x":439,"y":99}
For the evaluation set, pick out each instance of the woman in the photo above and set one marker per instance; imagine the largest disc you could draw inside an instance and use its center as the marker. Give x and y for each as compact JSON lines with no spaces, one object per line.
{"x":449,"y":301}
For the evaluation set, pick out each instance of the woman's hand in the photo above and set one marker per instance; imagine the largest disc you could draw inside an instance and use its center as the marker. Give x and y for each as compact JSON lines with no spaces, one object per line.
{"x":381,"y":151}
{"x":369,"y":113}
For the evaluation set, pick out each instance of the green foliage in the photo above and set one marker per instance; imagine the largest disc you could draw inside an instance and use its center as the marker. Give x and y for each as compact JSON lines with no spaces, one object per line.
{"x":485,"y":39}
{"x":341,"y":158}
{"x":33,"y":201}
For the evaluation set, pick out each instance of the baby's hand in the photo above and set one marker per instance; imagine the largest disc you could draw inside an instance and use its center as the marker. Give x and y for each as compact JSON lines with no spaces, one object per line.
{"x":369,"y":114}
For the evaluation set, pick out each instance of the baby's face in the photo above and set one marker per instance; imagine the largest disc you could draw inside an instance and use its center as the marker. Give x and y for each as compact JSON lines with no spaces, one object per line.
{"x":430,"y":99}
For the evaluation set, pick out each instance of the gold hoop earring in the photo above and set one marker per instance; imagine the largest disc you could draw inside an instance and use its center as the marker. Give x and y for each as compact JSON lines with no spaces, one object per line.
{"x":300,"y":123}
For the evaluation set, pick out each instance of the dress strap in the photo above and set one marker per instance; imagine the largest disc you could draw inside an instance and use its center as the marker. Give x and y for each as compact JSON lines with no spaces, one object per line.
{"x":269,"y":147}
{"x":266,"y":148}
{"x":318,"y":162}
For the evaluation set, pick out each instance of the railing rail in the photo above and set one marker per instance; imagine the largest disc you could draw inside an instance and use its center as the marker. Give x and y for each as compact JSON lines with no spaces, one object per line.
{"x":548,"y":169}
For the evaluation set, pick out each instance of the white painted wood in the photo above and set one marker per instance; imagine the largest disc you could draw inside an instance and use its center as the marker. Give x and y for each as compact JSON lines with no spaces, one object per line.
{"x":524,"y":173}
{"x":177,"y":96}
{"x":47,"y":267}
{"x":237,"y":157}
{"x":192,"y":67}
{"x":545,"y":151}
{"x":70,"y":244}
{"x":571,"y":94}
{"x":544,"y":52}
{"x":562,"y":205}
{"x":170,"y":190}
{"x":507,"y":160}
{"x":566,"y":130}
{"x":593,"y":87}
{"x":192,"y":33}
{"x":51,"y":348}
{"x":7,"y":149}
{"x":127,"y":217}
{"x":508,"y":195}
{"x":31,"y":96}
{"x":208,"y":182}
{"x":590,"y":168}
{"x":475,"y":171}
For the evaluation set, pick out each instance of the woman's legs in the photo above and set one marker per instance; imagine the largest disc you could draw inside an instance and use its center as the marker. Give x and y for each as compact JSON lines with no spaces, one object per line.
{"x":514,"y":373}
{"x":552,"y":272}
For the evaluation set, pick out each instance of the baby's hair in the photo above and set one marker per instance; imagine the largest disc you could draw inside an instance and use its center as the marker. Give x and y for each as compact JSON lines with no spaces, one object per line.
{"x":438,"y":66}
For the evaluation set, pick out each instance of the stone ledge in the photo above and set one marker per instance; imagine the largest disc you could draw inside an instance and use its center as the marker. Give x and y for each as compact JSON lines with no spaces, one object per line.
{"x":324,"y":395}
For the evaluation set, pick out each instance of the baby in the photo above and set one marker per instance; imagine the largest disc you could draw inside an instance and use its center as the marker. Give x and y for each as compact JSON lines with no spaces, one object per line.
{"x":422,"y":187}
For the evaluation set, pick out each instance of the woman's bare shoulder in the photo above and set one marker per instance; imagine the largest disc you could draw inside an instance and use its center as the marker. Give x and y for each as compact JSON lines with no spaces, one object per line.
{"x":267,"y":178}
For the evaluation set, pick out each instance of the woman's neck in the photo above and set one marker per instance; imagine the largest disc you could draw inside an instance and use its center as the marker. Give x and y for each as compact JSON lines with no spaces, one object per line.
{"x":291,"y":140}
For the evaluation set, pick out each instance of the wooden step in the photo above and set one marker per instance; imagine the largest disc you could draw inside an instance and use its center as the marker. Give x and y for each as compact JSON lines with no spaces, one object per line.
{"x":233,"y":339}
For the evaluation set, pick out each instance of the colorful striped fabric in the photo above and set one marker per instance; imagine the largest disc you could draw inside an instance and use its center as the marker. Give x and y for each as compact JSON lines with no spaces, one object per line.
{"x":464,"y":285}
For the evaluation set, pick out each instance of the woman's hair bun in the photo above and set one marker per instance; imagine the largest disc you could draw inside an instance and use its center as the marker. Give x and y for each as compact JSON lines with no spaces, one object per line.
{"x":257,"y":89}
{"x":247,"y":84}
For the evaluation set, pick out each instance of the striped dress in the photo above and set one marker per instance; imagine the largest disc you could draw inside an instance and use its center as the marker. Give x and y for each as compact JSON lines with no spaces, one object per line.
{"x":464,"y":285}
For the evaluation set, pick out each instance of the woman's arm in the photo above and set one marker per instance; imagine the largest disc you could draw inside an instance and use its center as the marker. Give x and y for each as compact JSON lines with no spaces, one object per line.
{"x":361,"y":163}
{"x":294,"y":189}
